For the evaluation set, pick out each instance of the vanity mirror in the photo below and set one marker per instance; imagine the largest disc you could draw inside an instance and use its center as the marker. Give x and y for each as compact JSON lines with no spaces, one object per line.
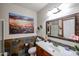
{"x":66,"y":28}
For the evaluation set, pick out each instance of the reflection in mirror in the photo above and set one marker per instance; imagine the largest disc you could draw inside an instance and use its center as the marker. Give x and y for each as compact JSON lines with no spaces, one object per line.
{"x":60,"y":24}
{"x":48,"y":28}
{"x":64,"y":27}
{"x":54,"y":28}
{"x":69,"y":27}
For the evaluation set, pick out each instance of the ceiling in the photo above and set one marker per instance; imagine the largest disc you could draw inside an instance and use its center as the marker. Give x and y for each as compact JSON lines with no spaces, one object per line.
{"x":38,"y":6}
{"x":33,"y":6}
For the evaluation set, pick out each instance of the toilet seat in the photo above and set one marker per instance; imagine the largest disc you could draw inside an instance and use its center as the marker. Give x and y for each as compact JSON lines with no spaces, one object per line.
{"x":32,"y":51}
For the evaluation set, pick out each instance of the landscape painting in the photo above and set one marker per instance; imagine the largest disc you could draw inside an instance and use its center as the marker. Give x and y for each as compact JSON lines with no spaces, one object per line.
{"x":19,"y":24}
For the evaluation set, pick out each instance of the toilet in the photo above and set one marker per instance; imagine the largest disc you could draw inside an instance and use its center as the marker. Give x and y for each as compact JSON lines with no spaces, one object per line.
{"x":32,"y":51}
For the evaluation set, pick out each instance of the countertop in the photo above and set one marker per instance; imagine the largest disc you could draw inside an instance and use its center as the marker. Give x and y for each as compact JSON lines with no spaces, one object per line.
{"x":55,"y":51}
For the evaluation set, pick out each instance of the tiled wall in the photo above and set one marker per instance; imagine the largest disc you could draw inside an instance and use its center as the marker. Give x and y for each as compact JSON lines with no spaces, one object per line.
{"x":14,"y":43}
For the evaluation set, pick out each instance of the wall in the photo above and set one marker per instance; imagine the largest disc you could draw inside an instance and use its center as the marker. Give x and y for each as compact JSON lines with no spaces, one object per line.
{"x":0,"y":35}
{"x":42,"y":18}
{"x":6,"y":8}
{"x":42,"y":14}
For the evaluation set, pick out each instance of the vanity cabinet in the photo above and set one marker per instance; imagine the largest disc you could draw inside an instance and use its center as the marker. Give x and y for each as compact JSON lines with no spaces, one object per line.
{"x":41,"y":52}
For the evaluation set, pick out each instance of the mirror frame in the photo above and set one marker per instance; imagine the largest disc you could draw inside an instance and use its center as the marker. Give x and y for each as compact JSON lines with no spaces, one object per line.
{"x":76,"y":15}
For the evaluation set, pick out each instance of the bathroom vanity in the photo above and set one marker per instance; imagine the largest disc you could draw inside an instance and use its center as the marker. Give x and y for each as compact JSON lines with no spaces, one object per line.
{"x":48,"y":49}
{"x":44,"y":50}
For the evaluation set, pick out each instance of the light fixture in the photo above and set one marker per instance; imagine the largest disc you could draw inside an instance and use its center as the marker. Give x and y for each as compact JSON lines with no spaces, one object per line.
{"x":53,"y":11}
{"x":56,"y":10}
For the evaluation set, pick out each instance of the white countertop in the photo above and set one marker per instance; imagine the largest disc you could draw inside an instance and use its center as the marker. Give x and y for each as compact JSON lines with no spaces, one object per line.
{"x":51,"y":49}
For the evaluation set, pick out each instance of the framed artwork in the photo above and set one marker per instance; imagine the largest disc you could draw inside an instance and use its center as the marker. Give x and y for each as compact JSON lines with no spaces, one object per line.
{"x":19,"y":24}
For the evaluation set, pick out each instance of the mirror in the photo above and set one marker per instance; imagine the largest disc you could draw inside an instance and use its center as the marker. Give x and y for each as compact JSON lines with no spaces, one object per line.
{"x":64,"y":27}
{"x":54,"y":28}
{"x":69,"y":27}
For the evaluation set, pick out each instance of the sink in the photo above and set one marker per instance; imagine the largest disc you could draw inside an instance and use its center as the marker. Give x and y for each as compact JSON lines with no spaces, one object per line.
{"x":56,"y":50}
{"x":65,"y":52}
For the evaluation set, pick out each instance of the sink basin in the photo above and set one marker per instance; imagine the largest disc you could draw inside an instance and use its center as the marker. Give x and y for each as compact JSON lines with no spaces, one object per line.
{"x":65,"y":52}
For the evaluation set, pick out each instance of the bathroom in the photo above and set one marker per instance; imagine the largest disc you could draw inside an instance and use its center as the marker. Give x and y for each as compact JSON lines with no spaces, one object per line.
{"x":39,"y":29}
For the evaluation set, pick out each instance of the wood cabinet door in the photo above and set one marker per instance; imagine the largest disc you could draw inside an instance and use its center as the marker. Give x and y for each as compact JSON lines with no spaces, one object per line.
{"x":41,"y":52}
